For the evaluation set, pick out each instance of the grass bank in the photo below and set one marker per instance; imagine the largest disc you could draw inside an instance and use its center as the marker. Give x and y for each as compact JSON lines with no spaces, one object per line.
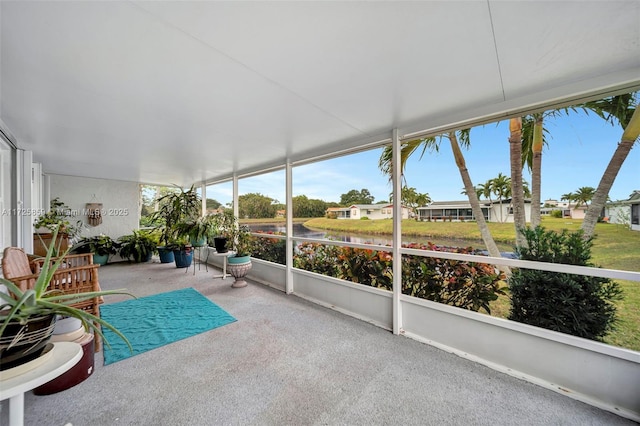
{"x":614,"y":247}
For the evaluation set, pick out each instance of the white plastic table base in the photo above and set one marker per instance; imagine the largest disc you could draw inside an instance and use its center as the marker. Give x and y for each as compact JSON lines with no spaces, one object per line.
{"x":64,"y":356}
{"x":224,"y":263}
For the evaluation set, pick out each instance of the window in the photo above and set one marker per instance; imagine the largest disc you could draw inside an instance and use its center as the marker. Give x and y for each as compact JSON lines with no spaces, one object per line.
{"x":635,"y":214}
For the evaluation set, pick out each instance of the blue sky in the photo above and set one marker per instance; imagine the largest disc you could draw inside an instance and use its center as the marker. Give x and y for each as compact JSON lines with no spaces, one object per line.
{"x":578,"y":150}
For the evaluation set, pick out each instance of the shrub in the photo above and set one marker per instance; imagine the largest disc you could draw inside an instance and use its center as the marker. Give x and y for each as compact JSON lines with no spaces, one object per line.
{"x":466,"y":285}
{"x":364,"y":218}
{"x":556,"y":213}
{"x":579,"y":305}
{"x":270,"y":249}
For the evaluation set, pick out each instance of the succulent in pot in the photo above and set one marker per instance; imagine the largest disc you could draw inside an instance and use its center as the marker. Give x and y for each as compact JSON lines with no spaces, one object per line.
{"x":18,"y":307}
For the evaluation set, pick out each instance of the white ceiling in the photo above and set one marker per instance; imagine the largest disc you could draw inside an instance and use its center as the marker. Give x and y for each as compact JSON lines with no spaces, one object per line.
{"x":179,"y":92}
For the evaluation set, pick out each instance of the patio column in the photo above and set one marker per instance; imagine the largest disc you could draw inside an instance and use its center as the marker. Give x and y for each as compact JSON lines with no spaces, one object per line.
{"x":24,"y":223}
{"x":203,"y":191}
{"x":289,"y":231}
{"x":397,"y":233}
{"x":236,"y":208}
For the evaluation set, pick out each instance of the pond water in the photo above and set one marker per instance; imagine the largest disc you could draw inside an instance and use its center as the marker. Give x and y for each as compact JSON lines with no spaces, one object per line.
{"x":299,"y":230}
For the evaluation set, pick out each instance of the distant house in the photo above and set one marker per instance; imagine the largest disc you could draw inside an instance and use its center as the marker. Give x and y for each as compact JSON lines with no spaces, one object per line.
{"x":371,"y":211}
{"x":625,"y":212}
{"x":492,"y":211}
{"x":569,"y":210}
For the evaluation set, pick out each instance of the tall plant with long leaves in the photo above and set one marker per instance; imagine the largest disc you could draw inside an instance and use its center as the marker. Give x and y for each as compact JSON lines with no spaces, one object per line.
{"x":175,"y":208}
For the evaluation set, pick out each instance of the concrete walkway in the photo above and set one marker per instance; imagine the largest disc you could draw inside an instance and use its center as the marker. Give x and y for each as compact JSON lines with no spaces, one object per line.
{"x":289,"y":362}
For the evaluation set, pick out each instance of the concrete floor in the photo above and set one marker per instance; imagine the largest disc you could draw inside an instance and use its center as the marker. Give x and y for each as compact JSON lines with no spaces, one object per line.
{"x":289,"y":362}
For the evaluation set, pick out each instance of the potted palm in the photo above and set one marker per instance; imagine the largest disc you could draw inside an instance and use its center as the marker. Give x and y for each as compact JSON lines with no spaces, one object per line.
{"x":27,"y":316}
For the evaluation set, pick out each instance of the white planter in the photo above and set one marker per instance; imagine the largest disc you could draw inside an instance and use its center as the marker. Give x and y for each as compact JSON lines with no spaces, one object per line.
{"x":66,"y":325}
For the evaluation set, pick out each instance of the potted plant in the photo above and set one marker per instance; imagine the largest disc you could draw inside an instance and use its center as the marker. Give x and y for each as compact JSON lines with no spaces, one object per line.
{"x":58,"y":218}
{"x":182,"y":252}
{"x":138,"y":246}
{"x":175,"y":208}
{"x":23,"y":311}
{"x":240,"y":263}
{"x":224,"y":223}
{"x":199,"y":230}
{"x":102,"y":246}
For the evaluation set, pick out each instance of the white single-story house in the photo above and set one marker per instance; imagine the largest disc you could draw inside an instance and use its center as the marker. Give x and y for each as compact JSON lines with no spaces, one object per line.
{"x":626,"y":212}
{"x":371,"y":211}
{"x":569,"y":210}
{"x":461,"y":210}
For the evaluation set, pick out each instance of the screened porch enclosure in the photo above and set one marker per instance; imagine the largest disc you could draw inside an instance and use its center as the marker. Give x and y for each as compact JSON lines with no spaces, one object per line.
{"x":210,"y":93}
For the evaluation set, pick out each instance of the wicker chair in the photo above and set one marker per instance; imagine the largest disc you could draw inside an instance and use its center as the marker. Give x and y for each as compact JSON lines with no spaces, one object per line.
{"x":77,"y":274}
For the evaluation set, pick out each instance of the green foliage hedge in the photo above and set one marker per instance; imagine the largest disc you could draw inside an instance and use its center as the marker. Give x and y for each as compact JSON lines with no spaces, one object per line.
{"x":573,"y":304}
{"x":270,"y":249}
{"x":467,"y":285}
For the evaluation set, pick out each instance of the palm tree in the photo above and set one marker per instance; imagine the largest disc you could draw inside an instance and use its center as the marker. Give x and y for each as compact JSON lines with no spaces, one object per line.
{"x":515,"y":155}
{"x":536,"y":169}
{"x":412,"y":199}
{"x":501,"y":187}
{"x":569,"y":197}
{"x":584,"y":195}
{"x":624,"y":110}
{"x":433,"y":143}
{"x":485,"y":190}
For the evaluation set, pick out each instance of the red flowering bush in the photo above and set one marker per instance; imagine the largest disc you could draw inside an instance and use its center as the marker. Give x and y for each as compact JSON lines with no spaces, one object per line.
{"x":467,"y":285}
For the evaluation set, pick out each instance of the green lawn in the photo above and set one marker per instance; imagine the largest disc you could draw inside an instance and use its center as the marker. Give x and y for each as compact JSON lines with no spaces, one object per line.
{"x":614,"y":247}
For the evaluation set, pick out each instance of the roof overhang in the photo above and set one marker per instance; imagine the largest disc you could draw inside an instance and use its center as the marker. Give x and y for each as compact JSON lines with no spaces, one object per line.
{"x":181,"y":92}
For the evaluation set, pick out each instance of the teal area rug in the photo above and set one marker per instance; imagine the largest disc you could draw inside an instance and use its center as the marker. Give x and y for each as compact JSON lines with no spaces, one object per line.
{"x":154,"y":321}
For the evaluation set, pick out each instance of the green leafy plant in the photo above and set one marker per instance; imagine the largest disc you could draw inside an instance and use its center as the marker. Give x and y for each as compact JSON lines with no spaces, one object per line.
{"x":58,"y":218}
{"x":226,"y":225}
{"x":197,"y":228}
{"x":176,"y":208}
{"x":573,"y":304}
{"x":242,"y":241}
{"x":138,"y":246}
{"x":101,"y":245}
{"x":19,"y":305}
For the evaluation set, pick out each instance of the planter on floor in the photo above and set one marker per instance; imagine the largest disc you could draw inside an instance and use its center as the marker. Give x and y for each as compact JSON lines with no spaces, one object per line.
{"x":238,"y":267}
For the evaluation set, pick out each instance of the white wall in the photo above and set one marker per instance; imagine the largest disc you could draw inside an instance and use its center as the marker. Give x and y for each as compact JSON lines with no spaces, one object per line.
{"x":120,"y":202}
{"x":619,"y":214}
